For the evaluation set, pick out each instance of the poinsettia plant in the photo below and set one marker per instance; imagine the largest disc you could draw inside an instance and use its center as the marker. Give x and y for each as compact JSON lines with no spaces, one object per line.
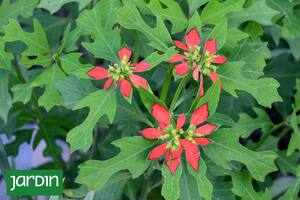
{"x":157,"y":99}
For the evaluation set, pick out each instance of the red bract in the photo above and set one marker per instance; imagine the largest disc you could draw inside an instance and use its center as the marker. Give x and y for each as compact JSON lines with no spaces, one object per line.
{"x":175,"y":139}
{"x":122,"y":74}
{"x":192,"y":59}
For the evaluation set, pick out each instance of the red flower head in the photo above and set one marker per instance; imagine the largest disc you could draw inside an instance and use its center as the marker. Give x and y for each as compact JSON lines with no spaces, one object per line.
{"x":192,"y":59}
{"x":176,"y":139}
{"x":122,"y":74}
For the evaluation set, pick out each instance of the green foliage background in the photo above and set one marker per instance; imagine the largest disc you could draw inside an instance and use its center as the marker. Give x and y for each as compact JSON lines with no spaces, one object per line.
{"x":47,"y":46}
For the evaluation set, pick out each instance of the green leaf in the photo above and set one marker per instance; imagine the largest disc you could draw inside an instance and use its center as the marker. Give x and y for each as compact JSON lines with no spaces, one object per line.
{"x":286,"y":164}
{"x":141,"y":5}
{"x":171,"y":12}
{"x":114,"y":187}
{"x":149,"y":99}
{"x":36,"y":41}
{"x":38,"y":60}
{"x":100,"y":103}
{"x":5,"y":57}
{"x":133,"y":157}
{"x":10,"y":10}
{"x":291,"y":23}
{"x":225,"y":147}
{"x":242,"y":187}
{"x":211,"y":96}
{"x":234,"y":35}
{"x":130,"y":18}
{"x":264,"y":90}
{"x":155,"y":58}
{"x":188,"y":185}
{"x":22,"y":92}
{"x":295,"y":139}
{"x":54,"y":6}
{"x":5,"y":97}
{"x":73,"y":89}
{"x":253,"y":54}
{"x":297,"y":96}
{"x":195,"y":21}
{"x":259,"y":12}
{"x":223,"y":190}
{"x":49,"y":132}
{"x":70,"y":62}
{"x":204,"y":186}
{"x":70,"y":36}
{"x":195,"y":4}
{"x":53,"y":26}
{"x":106,"y":11}
{"x":215,"y":11}
{"x":222,"y":119}
{"x":286,"y":76}
{"x":105,"y":46}
{"x":247,"y":125}
{"x":219,"y":33}
{"x":107,"y":42}
{"x":254,"y":29}
{"x":171,"y":188}
{"x":129,"y":113}
{"x":51,"y":96}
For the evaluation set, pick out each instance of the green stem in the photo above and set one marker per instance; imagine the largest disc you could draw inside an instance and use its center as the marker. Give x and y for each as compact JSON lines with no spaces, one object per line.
{"x":19,"y":73}
{"x":178,"y":92}
{"x":164,"y":91}
{"x":198,"y":96}
{"x":58,"y":63}
{"x":268,"y":133}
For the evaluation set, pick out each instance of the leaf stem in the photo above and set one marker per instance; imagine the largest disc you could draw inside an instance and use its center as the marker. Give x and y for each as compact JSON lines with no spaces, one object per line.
{"x":19,"y":72}
{"x":164,"y":91}
{"x":178,"y":92}
{"x":268,"y":133}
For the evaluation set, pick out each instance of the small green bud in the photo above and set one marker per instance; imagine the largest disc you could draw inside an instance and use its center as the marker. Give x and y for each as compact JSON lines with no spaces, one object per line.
{"x":213,"y":67}
{"x":174,"y":132}
{"x":118,"y":70}
{"x":116,"y":76}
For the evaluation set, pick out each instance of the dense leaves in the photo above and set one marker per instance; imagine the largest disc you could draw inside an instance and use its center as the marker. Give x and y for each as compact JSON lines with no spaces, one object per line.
{"x":81,"y":136}
{"x":133,"y":151}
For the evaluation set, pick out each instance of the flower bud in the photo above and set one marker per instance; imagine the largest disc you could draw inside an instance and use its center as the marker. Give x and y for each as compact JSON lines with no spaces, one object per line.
{"x":174,"y":132}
